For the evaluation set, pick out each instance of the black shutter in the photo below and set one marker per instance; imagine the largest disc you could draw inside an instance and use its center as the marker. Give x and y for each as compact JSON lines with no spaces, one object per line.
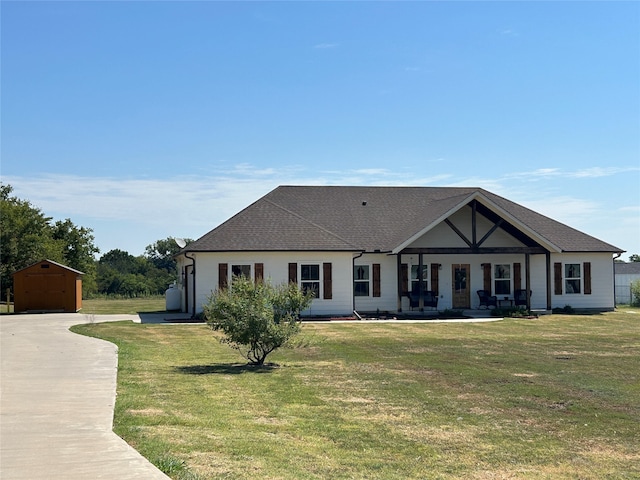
{"x":223,"y":270}
{"x":557,"y":278}
{"x":293,"y":273}
{"x":376,"y":279}
{"x":587,"y":278}
{"x":327,"y":282}
{"x":258,"y":272}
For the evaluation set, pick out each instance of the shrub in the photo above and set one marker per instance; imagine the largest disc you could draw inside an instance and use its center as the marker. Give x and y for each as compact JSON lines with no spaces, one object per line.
{"x":568,"y":309}
{"x":635,"y":293}
{"x":256,"y":317}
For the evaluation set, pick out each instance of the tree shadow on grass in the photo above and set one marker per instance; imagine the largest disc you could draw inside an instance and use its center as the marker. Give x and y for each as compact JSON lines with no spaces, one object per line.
{"x":226,"y":369}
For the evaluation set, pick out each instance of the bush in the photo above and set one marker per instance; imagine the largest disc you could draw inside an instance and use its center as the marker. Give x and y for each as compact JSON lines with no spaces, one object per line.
{"x":567,"y":309}
{"x":256,"y":317}
{"x":635,"y":293}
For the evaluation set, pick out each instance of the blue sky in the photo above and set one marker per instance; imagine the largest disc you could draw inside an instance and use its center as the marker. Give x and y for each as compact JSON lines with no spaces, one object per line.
{"x":143,"y":120}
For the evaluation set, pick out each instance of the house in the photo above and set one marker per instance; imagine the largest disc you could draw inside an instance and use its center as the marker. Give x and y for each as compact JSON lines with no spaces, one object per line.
{"x":397,"y":249}
{"x":625,"y":274}
{"x":47,"y":286}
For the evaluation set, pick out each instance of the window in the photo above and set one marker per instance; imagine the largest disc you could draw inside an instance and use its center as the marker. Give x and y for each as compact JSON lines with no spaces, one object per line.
{"x":415,"y":279}
{"x":502,"y":279}
{"x":241,"y":271}
{"x":310,"y":279}
{"x":361,"y":280}
{"x":572,"y":277}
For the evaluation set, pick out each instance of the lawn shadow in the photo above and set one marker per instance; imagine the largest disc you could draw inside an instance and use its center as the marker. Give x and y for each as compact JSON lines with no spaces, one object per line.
{"x":226,"y":369}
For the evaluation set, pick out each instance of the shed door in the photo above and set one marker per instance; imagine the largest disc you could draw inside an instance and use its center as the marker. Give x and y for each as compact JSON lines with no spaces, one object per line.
{"x":45,"y":292}
{"x":460,"y":286}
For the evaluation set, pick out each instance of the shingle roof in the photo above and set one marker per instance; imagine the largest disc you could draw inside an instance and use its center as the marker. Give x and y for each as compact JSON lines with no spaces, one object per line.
{"x":54,"y":263}
{"x":322,"y":218}
{"x":631,"y":268}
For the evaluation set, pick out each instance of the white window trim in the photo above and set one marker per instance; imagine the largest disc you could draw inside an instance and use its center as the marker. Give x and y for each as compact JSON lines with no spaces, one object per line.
{"x":369,"y":280}
{"x":426,"y":275}
{"x":320,"y":277}
{"x":239,"y":264}
{"x":565,"y":278}
{"x":493,"y":273}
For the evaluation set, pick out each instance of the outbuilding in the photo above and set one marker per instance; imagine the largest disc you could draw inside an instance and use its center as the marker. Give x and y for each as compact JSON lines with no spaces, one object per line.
{"x":47,"y":286}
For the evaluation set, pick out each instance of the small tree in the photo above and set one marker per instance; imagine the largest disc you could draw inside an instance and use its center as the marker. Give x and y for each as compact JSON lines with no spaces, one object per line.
{"x":635,"y":293}
{"x":256,"y":317}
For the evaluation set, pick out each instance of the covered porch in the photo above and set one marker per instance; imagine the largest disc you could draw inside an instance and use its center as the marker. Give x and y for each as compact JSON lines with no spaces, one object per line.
{"x":496,"y":258}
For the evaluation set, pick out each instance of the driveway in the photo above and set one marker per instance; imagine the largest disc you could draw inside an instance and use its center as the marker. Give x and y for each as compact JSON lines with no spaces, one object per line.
{"x":57,"y":393}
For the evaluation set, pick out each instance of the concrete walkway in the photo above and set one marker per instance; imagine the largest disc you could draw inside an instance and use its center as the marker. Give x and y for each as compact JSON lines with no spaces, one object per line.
{"x":57,"y":393}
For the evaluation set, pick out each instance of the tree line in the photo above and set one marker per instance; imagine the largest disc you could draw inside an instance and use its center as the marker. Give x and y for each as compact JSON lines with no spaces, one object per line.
{"x":28,"y":236}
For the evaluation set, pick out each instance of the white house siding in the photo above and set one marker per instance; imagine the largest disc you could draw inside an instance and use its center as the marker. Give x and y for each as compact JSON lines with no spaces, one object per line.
{"x":442,"y":236}
{"x":276,"y":269}
{"x":602,"y":279}
{"x":388,"y":299}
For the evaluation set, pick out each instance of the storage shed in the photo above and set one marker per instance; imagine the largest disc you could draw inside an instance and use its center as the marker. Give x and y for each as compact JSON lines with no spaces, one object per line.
{"x":47,"y":287}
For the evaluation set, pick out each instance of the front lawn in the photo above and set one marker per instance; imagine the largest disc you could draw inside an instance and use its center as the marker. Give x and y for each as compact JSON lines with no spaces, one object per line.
{"x":552,"y":398}
{"x":117,"y":306}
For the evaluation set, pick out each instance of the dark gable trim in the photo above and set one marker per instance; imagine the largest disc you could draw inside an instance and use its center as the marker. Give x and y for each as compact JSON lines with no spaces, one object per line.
{"x":474,"y":251}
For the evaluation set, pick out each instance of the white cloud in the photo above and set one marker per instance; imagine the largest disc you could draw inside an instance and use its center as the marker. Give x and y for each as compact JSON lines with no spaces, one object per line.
{"x":323,"y":46}
{"x":596,"y":172}
{"x":130,"y":213}
{"x":592,"y":172}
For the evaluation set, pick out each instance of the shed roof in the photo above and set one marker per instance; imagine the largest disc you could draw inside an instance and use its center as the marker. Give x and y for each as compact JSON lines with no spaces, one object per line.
{"x":348,"y":218}
{"x":78,"y":272}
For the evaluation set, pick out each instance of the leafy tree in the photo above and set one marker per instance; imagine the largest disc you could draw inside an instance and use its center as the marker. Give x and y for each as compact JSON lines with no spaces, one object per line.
{"x":120,"y":273}
{"x":161,"y":253}
{"x":78,"y":251}
{"x":256,"y":317}
{"x":634,"y":258}
{"x":28,"y":236}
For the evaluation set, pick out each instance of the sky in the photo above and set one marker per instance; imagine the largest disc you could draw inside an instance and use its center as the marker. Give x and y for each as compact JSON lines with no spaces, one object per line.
{"x":146,"y":120}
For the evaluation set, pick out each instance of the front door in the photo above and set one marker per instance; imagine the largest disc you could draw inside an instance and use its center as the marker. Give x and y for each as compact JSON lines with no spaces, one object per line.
{"x":460,"y":286}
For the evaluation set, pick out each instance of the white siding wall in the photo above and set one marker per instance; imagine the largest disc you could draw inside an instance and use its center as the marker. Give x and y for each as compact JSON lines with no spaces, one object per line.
{"x":387,"y":301}
{"x":602,"y":292}
{"x":442,"y":236}
{"x":276,"y":269}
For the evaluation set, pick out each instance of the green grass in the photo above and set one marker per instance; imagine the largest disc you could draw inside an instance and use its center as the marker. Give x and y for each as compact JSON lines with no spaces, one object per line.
{"x":4,"y":308}
{"x":552,"y":398}
{"x":117,"y":306}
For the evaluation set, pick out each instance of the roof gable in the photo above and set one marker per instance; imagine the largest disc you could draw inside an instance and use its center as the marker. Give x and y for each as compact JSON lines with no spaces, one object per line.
{"x":51,"y":262}
{"x":372,"y":219}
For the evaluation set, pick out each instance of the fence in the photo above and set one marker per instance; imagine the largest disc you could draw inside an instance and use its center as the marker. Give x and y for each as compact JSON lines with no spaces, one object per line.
{"x":624,"y":295}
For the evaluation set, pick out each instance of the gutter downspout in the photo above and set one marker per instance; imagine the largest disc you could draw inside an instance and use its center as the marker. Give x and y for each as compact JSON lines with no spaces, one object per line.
{"x":193,"y":272}
{"x":614,"y":278}
{"x":353,"y":293}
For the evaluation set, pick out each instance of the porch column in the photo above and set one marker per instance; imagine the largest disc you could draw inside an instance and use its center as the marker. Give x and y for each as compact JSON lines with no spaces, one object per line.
{"x":420,"y":284}
{"x":399,"y":275}
{"x":548,"y":262}
{"x":527,"y":275}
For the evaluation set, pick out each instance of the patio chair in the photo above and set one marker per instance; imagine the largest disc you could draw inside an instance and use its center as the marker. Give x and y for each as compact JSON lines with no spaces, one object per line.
{"x":520,"y":297}
{"x":429,"y":299}
{"x":487,"y":299}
